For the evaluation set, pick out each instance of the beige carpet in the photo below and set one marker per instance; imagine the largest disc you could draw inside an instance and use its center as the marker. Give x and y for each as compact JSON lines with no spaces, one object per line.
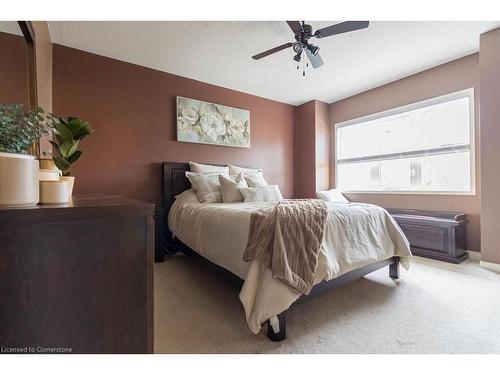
{"x":436,"y":307}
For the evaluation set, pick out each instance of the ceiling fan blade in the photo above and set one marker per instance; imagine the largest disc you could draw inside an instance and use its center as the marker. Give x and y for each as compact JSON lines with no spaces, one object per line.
{"x":316,"y":60}
{"x":339,"y":28}
{"x":296,"y":26}
{"x":272,"y":50}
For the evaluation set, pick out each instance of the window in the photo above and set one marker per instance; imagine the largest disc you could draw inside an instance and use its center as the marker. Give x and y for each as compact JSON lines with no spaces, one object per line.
{"x":425,"y":147}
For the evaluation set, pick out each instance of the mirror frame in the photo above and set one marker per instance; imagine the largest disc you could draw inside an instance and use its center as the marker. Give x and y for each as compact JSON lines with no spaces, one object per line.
{"x":29,"y":36}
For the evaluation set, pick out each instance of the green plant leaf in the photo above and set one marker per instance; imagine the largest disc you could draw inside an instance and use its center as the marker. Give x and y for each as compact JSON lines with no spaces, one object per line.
{"x":65,"y":147}
{"x":19,"y":130}
{"x":61,"y":163}
{"x":83,"y":131}
{"x":73,"y":149}
{"x":63,"y":132}
{"x":59,"y":138}
{"x":53,"y":120}
{"x":75,"y":156}
{"x":74,"y":124}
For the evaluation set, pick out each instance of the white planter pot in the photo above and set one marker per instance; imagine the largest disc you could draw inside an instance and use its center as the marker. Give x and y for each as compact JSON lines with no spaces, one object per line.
{"x":71,"y":182}
{"x":18,"y":180}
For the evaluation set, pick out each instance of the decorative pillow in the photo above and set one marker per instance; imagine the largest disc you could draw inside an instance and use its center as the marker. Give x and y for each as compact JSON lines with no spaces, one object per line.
{"x":235,"y":170}
{"x":269,"y":193}
{"x":255,"y":180}
{"x":333,"y":195}
{"x":207,"y":168}
{"x":229,"y":187}
{"x":206,"y":185}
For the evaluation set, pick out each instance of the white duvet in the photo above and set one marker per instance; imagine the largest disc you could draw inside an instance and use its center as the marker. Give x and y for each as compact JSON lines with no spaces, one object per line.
{"x":356,"y":234}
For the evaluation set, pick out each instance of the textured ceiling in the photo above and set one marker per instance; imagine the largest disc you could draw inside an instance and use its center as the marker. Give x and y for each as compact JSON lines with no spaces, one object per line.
{"x":10,"y":27}
{"x":220,"y":52}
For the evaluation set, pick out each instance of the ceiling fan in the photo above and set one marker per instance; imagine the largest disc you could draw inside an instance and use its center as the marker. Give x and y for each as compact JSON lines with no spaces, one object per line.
{"x":303,"y":33}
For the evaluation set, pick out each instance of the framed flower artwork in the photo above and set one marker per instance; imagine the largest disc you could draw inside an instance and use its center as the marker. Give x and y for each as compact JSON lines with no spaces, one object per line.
{"x":209,"y":123}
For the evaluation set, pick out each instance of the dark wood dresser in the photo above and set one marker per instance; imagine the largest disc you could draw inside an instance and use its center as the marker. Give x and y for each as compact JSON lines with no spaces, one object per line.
{"x":433,"y":234}
{"x":78,"y":277}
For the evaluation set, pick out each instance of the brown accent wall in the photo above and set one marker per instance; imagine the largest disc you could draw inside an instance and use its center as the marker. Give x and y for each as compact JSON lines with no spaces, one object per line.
{"x":13,"y":70}
{"x":133,"y":112}
{"x":489,"y":64}
{"x":456,"y":75}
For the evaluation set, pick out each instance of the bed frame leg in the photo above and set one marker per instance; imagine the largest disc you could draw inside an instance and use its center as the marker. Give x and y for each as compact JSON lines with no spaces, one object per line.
{"x":394,"y":268}
{"x":281,"y":335}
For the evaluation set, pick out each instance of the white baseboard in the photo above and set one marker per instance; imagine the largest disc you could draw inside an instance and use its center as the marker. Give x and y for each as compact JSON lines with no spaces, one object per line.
{"x":474,"y":255}
{"x":490,"y":266}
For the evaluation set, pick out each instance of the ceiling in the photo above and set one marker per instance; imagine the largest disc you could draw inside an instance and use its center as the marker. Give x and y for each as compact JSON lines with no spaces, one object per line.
{"x":220,"y":52}
{"x":10,"y":27}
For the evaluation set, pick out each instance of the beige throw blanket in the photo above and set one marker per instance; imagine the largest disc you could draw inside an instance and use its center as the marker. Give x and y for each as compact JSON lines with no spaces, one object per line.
{"x":287,"y":238}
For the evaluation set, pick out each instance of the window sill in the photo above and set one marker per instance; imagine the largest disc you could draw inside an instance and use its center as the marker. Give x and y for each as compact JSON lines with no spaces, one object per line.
{"x":472,"y":193}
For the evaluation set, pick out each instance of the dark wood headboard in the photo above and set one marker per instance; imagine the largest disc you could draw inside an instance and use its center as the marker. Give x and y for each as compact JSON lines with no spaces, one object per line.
{"x":174,"y":182}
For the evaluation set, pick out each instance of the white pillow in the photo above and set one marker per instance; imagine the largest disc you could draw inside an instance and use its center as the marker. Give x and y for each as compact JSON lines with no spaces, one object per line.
{"x":206,"y":185}
{"x":235,"y":170}
{"x":269,"y":193}
{"x":333,"y":195}
{"x":229,"y":187}
{"x":255,"y":180}
{"x":207,"y":168}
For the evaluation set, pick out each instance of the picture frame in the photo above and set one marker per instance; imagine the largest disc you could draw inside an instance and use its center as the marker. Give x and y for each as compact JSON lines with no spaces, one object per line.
{"x":210,"y":123}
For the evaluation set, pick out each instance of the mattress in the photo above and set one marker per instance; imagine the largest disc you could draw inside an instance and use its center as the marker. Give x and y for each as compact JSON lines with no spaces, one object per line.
{"x":356,"y":234}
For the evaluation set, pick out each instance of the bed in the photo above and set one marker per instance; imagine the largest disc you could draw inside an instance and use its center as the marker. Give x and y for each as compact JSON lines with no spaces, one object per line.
{"x":217,"y":233}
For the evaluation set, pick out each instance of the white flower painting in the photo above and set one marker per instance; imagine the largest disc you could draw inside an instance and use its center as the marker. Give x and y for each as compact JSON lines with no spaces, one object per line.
{"x":203,"y":122}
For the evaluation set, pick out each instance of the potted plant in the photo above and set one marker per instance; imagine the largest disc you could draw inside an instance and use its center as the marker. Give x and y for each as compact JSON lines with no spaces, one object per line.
{"x":19,"y":170}
{"x":69,"y":132}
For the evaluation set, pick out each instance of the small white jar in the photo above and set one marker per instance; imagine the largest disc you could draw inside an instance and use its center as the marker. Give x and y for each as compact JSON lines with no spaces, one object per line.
{"x":48,"y":175}
{"x":54,"y":192}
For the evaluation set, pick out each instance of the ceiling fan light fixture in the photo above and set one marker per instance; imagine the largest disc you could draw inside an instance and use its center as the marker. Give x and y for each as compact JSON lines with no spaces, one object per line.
{"x":297,"y":47}
{"x":307,"y":28}
{"x":314,"y":49}
{"x":302,"y":32}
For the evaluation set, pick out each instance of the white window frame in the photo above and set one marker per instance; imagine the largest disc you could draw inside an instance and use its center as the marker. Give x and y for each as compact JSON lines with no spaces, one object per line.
{"x":413,"y":106}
